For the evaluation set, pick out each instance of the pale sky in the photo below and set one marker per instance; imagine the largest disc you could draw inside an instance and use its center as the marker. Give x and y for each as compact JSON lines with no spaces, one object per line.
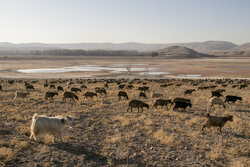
{"x":118,"y":21}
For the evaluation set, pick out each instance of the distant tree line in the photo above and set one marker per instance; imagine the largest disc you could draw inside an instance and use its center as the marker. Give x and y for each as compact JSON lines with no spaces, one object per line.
{"x":77,"y":52}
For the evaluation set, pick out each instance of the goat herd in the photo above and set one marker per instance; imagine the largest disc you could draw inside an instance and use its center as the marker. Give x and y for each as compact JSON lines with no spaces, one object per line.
{"x":70,"y":90}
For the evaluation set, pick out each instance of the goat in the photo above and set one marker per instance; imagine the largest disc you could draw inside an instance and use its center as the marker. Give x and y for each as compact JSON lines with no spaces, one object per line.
{"x":43,"y":125}
{"x":96,"y":88}
{"x":189,"y":91}
{"x":59,"y":88}
{"x":144,"y":88}
{"x":101,"y":91}
{"x":178,"y":85}
{"x":216,"y":93}
{"x":142,"y":95}
{"x":122,"y":94}
{"x":106,"y":85}
{"x":89,"y":94}
{"x":121,"y":86}
{"x":70,"y":83}
{"x":241,"y":86}
{"x":216,"y":121}
{"x":213,"y":86}
{"x":11,"y":82}
{"x":83,"y":87}
{"x":216,"y":100}
{"x":137,"y":103}
{"x":50,"y":95}
{"x":75,"y":90}
{"x":166,"y":85}
{"x":232,"y":99}
{"x":224,"y":85}
{"x":69,"y":95}
{"x":45,"y":85}
{"x":30,"y":87}
{"x":52,"y":86}
{"x":22,"y":95}
{"x":162,"y":102}
{"x":180,"y":99}
{"x":130,"y":86}
{"x":157,"y":95}
{"x":180,"y":104}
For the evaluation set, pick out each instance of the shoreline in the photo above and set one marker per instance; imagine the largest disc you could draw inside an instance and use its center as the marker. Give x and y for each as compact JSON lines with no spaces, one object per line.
{"x":159,"y":68}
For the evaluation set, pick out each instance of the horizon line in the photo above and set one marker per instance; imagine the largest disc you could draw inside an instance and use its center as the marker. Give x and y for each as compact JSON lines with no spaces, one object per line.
{"x":121,"y":42}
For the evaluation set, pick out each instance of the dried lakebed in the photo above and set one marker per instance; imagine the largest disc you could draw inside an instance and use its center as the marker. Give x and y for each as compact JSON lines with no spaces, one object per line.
{"x":136,"y":69}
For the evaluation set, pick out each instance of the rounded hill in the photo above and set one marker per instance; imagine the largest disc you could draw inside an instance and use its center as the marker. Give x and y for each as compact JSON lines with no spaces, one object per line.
{"x":181,"y":53}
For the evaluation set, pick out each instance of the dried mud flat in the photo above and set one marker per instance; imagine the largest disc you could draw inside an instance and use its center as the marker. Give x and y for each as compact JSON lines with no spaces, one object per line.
{"x":105,"y":134}
{"x":207,"y":68}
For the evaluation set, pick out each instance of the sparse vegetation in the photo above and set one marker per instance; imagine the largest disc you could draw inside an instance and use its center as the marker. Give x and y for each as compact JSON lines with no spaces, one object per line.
{"x":105,"y":133}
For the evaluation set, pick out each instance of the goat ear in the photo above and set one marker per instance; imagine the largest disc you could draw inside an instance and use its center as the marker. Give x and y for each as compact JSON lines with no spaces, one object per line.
{"x":63,"y":120}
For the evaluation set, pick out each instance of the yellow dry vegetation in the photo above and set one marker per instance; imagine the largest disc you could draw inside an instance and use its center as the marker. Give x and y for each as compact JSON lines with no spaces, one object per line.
{"x":104,"y":130}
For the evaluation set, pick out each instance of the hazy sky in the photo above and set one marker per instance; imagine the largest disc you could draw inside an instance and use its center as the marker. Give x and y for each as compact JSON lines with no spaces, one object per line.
{"x":148,"y":21}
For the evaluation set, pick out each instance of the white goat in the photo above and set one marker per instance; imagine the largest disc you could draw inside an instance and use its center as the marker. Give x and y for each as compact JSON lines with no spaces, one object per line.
{"x":216,"y":100}
{"x":43,"y":125}
{"x":22,"y":95}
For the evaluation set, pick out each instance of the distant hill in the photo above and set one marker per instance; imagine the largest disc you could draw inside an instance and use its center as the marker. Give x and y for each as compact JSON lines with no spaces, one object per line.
{"x":180,"y":52}
{"x":191,"y":49}
{"x":245,"y":46}
{"x":210,"y":46}
{"x":204,"y":47}
{"x":238,"y":51}
{"x":234,"y":53}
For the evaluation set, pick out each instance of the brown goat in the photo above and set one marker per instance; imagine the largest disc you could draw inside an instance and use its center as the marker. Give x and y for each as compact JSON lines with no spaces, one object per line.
{"x":162,"y":102}
{"x":89,"y":94}
{"x":22,"y":95}
{"x":101,"y":91}
{"x":142,"y":94}
{"x":75,"y":90}
{"x":137,"y":103}
{"x":216,"y":121}
{"x":69,"y":95}
{"x":50,"y":95}
{"x":122,"y":94}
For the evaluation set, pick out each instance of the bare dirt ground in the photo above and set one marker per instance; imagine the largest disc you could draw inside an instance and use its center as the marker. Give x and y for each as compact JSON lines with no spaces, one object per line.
{"x":105,"y":134}
{"x":234,"y":68}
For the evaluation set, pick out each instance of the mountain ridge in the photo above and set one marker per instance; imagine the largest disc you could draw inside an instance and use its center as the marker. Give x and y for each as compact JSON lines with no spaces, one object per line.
{"x":198,"y":46}
{"x":218,"y":48}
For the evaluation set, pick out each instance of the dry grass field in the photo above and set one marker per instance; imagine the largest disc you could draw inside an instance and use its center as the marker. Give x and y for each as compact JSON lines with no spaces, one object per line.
{"x":105,"y":134}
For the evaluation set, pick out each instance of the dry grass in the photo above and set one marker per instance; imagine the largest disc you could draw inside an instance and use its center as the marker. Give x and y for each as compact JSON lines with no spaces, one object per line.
{"x":114,"y":139}
{"x":217,"y":153}
{"x":124,"y":121}
{"x":240,"y":162}
{"x":5,"y":153}
{"x":193,"y":121}
{"x":105,"y":131}
{"x":164,"y":138}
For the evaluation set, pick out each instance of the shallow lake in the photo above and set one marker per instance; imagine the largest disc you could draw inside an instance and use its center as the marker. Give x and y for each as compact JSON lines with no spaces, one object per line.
{"x":140,"y":69}
{"x":112,"y":68}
